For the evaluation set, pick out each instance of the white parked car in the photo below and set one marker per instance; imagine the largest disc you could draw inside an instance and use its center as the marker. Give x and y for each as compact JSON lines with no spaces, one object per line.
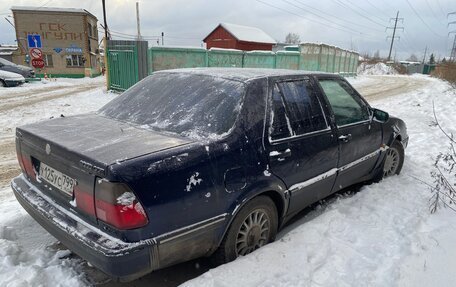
{"x":9,"y":79}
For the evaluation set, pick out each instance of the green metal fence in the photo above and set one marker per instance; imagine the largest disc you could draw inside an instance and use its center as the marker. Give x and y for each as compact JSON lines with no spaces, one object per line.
{"x":287,"y":60}
{"x":125,"y":63}
{"x":260,"y":59}
{"x":164,"y":58}
{"x":129,"y":62}
{"x":225,"y":58}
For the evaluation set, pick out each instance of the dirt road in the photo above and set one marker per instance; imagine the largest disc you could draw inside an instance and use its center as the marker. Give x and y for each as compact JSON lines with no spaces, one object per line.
{"x":380,"y":87}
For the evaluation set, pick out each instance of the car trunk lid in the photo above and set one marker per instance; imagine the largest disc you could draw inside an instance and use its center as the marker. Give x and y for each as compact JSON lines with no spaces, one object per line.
{"x":80,"y":148}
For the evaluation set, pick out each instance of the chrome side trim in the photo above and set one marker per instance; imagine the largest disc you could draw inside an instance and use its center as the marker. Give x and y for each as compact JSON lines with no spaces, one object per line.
{"x":355,"y":123}
{"x":327,"y":129}
{"x":331,"y":172}
{"x":313,"y":180}
{"x":169,"y":236}
{"x":360,"y":160}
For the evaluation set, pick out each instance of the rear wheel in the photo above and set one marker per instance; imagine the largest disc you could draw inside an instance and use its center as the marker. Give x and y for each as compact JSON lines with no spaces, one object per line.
{"x":253,"y":227}
{"x":394,"y":159}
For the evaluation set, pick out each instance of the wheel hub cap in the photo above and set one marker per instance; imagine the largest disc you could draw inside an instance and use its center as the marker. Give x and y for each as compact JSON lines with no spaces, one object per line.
{"x":391,"y":162}
{"x":253,"y":233}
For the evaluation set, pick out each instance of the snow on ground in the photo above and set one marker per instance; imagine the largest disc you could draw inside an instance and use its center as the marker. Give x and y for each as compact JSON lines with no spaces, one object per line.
{"x":380,"y":236}
{"x":47,"y":84}
{"x":29,"y":256}
{"x":75,"y":103}
{"x":375,"y":69}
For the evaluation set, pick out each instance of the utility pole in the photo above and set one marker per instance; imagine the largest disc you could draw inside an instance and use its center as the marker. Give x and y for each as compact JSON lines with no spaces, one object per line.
{"x":453,"y":49}
{"x":424,"y":57}
{"x":394,"y":32}
{"x":104,"y":20}
{"x":137,"y":21}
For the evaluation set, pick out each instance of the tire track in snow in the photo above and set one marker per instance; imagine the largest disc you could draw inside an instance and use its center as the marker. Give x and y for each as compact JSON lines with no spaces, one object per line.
{"x":9,"y":167}
{"x":380,"y":87}
{"x":41,"y":97}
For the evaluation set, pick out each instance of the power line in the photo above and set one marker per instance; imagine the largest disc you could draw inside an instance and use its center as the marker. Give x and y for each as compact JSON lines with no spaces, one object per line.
{"x":418,"y":15}
{"x":433,"y":13}
{"x":440,"y":7}
{"x":360,"y":14}
{"x":300,"y":16}
{"x":381,"y":11}
{"x":322,"y":17}
{"x":336,"y":17}
{"x":362,"y":9}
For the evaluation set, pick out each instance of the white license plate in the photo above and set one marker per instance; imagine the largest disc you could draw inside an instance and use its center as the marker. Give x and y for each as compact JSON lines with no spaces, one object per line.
{"x":57,"y":179}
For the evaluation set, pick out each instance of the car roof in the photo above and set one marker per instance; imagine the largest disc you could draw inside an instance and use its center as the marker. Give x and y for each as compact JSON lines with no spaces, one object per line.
{"x":243,"y":74}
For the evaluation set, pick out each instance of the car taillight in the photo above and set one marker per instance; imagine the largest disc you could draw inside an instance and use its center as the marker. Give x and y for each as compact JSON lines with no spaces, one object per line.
{"x":116,"y":205}
{"x":26,"y":165}
{"x":84,"y":200}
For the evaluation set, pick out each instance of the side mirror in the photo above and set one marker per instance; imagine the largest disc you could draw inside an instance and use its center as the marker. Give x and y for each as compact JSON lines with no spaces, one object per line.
{"x":379,"y":115}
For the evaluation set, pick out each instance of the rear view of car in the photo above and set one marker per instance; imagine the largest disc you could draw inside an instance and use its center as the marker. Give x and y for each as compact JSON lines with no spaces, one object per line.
{"x":7,"y":66}
{"x":9,"y":79}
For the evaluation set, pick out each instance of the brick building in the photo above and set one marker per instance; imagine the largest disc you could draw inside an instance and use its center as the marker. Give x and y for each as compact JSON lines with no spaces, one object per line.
{"x":232,"y":36}
{"x":69,"y":39}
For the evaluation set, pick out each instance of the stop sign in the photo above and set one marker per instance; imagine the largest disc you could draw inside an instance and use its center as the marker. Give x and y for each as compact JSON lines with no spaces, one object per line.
{"x":38,"y":63}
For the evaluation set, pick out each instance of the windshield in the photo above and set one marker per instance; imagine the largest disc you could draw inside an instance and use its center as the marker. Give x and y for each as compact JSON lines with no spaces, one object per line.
{"x":195,"y":106}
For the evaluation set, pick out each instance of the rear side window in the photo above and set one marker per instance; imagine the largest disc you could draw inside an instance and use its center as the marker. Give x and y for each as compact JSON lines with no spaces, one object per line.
{"x":296,"y":110}
{"x":347,"y":106}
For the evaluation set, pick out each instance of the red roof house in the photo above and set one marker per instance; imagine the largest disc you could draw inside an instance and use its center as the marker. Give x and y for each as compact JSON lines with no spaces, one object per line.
{"x":232,"y":36}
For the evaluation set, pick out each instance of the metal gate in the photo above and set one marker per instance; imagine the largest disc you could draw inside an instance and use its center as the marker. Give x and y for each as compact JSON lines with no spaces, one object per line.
{"x":126,"y":63}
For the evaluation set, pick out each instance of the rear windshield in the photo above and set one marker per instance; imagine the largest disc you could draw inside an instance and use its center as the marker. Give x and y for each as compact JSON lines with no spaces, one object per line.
{"x":6,"y":62}
{"x":194,"y":106}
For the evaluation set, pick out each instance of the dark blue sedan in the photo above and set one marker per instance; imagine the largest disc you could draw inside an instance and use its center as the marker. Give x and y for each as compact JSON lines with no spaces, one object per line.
{"x":200,"y":162}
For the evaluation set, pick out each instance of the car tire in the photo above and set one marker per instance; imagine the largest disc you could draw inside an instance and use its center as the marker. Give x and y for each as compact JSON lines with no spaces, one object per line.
{"x":253,"y":227}
{"x":394,"y":159}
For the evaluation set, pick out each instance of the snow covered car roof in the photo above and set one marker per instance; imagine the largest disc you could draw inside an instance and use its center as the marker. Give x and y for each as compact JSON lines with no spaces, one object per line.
{"x":242,"y":74}
{"x":10,"y":76}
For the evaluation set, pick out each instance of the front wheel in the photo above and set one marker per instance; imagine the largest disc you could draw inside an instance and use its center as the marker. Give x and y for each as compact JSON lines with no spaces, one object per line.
{"x":253,"y":227}
{"x":394,"y":160}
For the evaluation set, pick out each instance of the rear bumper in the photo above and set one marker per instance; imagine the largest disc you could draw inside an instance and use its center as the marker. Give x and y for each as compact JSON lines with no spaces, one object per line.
{"x":13,"y":83}
{"x":122,"y":260}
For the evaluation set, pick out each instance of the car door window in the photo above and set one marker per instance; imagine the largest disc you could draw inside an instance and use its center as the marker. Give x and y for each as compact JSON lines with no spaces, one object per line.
{"x":296,"y":110}
{"x":347,"y":107}
{"x":280,"y":123}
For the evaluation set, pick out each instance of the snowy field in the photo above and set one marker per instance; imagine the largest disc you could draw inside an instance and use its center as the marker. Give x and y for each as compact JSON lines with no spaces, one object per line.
{"x":383,"y":235}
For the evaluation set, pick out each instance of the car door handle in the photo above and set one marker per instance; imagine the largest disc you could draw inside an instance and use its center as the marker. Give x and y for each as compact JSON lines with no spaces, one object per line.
{"x":345,"y":138}
{"x":280,"y":154}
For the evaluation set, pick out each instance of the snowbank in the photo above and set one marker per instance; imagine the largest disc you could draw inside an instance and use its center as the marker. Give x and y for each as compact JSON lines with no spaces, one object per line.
{"x":29,"y":255}
{"x":375,"y":69}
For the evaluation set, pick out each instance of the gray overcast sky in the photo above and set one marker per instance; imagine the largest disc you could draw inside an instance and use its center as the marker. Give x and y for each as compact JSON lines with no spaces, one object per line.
{"x":345,"y":23}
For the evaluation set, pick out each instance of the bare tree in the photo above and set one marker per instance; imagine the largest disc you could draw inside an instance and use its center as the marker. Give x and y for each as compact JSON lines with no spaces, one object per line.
{"x":432,"y":59}
{"x":292,"y":38}
{"x":377,"y":55}
{"x":444,"y":175}
{"x":413,"y":58}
